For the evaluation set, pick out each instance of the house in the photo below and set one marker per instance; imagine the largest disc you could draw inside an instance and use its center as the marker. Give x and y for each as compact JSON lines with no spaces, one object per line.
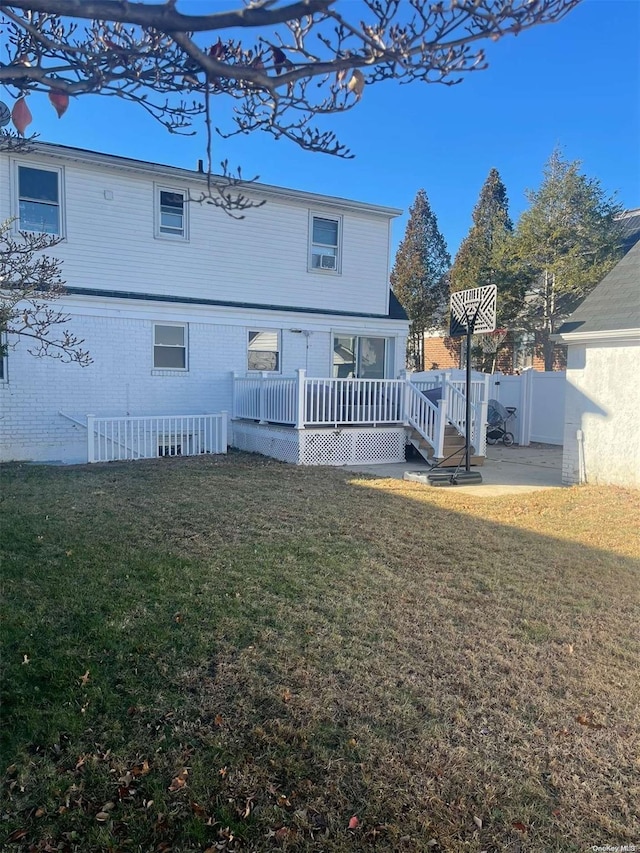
{"x":283,"y":320}
{"x":602,"y":434}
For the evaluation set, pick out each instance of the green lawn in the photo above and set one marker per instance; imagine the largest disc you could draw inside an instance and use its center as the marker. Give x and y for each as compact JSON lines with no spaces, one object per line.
{"x":230,"y":653}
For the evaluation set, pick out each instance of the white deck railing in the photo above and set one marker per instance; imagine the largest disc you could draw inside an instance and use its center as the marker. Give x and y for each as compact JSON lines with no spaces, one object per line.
{"x":340,"y":402}
{"x":303,"y":402}
{"x":111,"y":439}
{"x":266,"y":398}
{"x":426,"y":417}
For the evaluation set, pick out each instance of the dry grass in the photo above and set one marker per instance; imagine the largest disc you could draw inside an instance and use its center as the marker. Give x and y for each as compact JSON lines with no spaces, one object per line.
{"x":461,"y":674}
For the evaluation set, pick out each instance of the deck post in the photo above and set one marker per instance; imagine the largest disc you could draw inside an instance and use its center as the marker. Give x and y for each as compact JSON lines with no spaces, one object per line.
{"x":223,"y":431}
{"x":234,"y":376}
{"x":261,"y":405}
{"x":91,"y":444}
{"x":301,"y":398}
{"x":442,"y":422}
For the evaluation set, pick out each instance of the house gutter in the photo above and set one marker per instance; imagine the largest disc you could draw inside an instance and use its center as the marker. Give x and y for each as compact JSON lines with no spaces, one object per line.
{"x":597,"y":337}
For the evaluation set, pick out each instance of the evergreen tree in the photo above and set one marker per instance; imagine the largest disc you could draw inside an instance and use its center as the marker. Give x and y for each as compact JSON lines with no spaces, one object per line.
{"x":483,"y":259}
{"x":419,"y":277}
{"x":564,"y":244}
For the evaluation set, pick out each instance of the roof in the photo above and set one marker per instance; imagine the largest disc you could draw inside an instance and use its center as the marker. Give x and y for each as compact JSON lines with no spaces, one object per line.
{"x":396,"y":311}
{"x":630,"y":228}
{"x":97,"y":158}
{"x":614,"y":305}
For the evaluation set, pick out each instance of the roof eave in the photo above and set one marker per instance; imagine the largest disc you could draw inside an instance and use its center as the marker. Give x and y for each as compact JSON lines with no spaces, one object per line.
{"x":599,"y":336}
{"x":176,"y":173}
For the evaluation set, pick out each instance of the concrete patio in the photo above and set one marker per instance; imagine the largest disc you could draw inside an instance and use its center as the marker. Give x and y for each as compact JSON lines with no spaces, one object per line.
{"x":507,"y":470}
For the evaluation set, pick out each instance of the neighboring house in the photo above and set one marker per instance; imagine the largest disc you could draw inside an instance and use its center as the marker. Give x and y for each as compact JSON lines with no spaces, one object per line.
{"x":602,"y":429}
{"x":517,"y":352}
{"x":173,"y":297}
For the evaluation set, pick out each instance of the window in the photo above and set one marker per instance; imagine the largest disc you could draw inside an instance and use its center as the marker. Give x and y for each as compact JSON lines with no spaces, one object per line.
{"x":360,"y":357}
{"x":39,"y":200}
{"x":325,"y":244}
{"x":170,"y":347}
{"x":263,"y":352}
{"x":171,"y":219}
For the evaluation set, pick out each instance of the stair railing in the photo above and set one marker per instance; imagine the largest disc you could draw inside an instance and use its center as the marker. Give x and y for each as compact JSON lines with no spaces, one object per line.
{"x":425,"y":417}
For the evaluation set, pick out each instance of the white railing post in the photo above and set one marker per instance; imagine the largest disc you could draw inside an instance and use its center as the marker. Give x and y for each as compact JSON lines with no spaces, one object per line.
{"x":404,"y":397}
{"x":261,"y":406}
{"x":234,"y":411}
{"x":91,"y":444}
{"x":223,"y":431}
{"x":440,"y":427}
{"x":301,"y":398}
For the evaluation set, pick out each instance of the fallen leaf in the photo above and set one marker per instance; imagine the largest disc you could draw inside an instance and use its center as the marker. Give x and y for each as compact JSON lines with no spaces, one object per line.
{"x":219,"y":719}
{"x":587,"y":721}
{"x":84,"y":679}
{"x":354,"y":823}
{"x":39,"y":812}
{"x":287,"y":695}
{"x":179,"y":781}
{"x":101,"y":817}
{"x":519,"y":826}
{"x":17,"y":835}
{"x":478,"y":821}
{"x":282,"y":834}
{"x":108,"y":807}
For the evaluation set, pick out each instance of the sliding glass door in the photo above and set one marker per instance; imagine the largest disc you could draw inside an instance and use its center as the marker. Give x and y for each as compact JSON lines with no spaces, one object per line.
{"x":360,"y":357}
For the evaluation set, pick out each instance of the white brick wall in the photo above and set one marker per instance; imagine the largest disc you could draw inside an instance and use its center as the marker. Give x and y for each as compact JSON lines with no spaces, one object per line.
{"x":121,"y":380}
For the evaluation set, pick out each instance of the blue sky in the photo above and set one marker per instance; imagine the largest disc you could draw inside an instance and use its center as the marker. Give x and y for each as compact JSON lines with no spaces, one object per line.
{"x":575,"y":84}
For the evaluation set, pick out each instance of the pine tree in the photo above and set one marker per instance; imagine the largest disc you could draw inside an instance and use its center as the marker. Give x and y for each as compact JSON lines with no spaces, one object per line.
{"x":565,"y":243}
{"x":419,"y":276}
{"x":483,"y":259}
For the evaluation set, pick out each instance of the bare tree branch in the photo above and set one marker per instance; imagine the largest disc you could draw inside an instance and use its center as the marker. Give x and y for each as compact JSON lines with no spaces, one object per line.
{"x":294,"y":62}
{"x":30,"y":281}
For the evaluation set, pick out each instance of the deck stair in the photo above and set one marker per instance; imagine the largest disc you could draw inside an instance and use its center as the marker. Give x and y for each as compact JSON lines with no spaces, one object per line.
{"x":453,"y":448}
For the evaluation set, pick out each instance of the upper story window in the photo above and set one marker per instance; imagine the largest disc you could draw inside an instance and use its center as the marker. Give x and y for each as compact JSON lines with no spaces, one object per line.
{"x":171,"y":213}
{"x":39,"y":200}
{"x":170,"y":346}
{"x":263,"y":351}
{"x":325,"y":243}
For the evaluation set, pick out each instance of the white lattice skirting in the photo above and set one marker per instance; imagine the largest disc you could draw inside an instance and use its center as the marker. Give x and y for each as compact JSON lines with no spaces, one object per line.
{"x":353,"y":446}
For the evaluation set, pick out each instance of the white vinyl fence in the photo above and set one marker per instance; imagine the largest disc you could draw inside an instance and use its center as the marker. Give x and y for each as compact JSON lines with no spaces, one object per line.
{"x":539,"y":399}
{"x":111,"y":439}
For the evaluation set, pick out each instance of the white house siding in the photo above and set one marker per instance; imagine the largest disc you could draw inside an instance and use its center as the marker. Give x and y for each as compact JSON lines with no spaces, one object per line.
{"x":121,"y":380}
{"x":109,"y":210}
{"x":602,"y":436}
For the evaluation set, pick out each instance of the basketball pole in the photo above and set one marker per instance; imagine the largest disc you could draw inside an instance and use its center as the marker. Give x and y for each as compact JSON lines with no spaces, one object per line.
{"x":467,"y":415}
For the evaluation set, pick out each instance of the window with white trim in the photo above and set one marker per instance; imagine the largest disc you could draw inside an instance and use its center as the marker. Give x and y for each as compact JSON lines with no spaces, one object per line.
{"x":361,"y":357}
{"x":171,"y":213}
{"x":39,"y":194}
{"x":325,"y":236}
{"x":170,"y":346}
{"x":263,"y":350}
